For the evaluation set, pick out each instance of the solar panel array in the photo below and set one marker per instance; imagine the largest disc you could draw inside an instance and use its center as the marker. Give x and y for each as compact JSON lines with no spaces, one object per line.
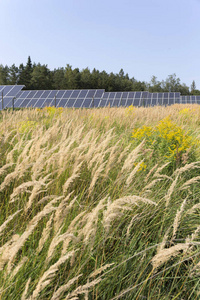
{"x":13,"y":95}
{"x":8,"y":93}
{"x":189,"y":99}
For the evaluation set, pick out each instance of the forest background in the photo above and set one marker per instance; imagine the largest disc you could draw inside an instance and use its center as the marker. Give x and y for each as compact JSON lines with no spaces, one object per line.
{"x":37,"y":77}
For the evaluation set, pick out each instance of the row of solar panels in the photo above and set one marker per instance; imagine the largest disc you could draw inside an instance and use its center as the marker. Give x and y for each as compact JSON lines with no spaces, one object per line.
{"x":13,"y":96}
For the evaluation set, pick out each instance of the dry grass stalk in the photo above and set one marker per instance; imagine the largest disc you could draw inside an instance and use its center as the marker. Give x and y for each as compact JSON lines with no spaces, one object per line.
{"x":166,"y":254}
{"x":10,"y":252}
{"x":116,"y":208}
{"x":45,"y":234}
{"x":132,"y":157}
{"x":18,"y":267}
{"x":157,"y":173}
{"x":91,"y":219}
{"x":75,"y":174}
{"x":151,"y":184}
{"x":178,"y":218}
{"x":130,"y":225}
{"x":187,"y":167}
{"x":193,"y":236}
{"x":37,"y":189}
{"x":161,"y":246}
{"x":189,"y":182}
{"x":82,"y":289}
{"x":21,"y":189}
{"x":170,"y":191}
{"x":100,"y":270}
{"x":17,"y":173}
{"x":57,"y":294}
{"x":3,"y":226}
{"x":57,"y":240}
{"x":133,"y":173}
{"x":4,"y":168}
{"x":150,"y":172}
{"x":62,"y":211}
{"x":122,"y":154}
{"x":23,"y":297}
{"x":95,"y":177}
{"x":48,"y":275}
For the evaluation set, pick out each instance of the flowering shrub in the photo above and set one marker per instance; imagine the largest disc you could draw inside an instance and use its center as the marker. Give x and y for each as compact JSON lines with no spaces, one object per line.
{"x":53,"y":110}
{"x":167,"y":139}
{"x":26,"y":126}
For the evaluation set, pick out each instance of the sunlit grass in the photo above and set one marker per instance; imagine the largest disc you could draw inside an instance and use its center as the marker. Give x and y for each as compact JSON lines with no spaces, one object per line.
{"x":100,"y":204}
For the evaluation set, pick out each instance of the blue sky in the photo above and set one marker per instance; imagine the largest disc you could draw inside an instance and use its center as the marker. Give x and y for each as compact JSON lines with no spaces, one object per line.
{"x":144,"y":37}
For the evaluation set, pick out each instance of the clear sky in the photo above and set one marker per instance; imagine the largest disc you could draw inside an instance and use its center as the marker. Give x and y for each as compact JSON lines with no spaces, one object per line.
{"x":144,"y":37}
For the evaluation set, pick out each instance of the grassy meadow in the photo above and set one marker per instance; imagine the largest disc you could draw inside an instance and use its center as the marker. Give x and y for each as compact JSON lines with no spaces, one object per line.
{"x":100,"y":203}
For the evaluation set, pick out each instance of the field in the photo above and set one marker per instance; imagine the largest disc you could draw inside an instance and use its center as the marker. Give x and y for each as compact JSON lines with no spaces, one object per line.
{"x":100,"y":203}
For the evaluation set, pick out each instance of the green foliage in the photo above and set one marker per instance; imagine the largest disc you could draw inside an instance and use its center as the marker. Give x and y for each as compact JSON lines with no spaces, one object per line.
{"x":168,"y":140}
{"x":38,"y":76}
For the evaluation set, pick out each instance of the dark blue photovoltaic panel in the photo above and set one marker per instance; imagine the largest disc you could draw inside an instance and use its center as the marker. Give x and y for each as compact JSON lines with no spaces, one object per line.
{"x":78,"y":102}
{"x":105,"y":95}
{"x":7,"y":89}
{"x":83,"y":94}
{"x":40,"y":102}
{"x":122,"y":102}
{"x":31,"y":94}
{"x":118,"y":95}
{"x":60,"y":94}
{"x":91,"y":93}
{"x":68,"y":94}
{"x":136,"y":102}
{"x":124,"y":95}
{"x":131,"y":95}
{"x":99,"y":93}
{"x":62,"y":102}
{"x":112,"y":95}
{"x":96,"y":101}
{"x":75,"y":94}
{"x":154,"y":101}
{"x":88,"y":98}
{"x":23,"y":94}
{"x":7,"y":102}
{"x":31,"y":103}
{"x":102,"y":103}
{"x":138,"y":94}
{"x":145,"y":94}
{"x":38,"y":94}
{"x":89,"y":102}
{"x":46,"y":94}
{"x":70,"y":103}
{"x":48,"y":102}
{"x":52,"y":94}
{"x":130,"y":102}
{"x":24,"y":103}
{"x":109,"y":102}
{"x":148,"y":102}
{"x":116,"y":102}
{"x":165,"y":101}
{"x":14,"y":91}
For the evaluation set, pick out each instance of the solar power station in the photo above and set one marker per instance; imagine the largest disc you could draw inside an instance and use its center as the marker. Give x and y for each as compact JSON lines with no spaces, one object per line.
{"x":12,"y":96}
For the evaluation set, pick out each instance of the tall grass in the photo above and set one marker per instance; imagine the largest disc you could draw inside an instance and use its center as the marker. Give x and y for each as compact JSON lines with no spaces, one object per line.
{"x":91,"y":210}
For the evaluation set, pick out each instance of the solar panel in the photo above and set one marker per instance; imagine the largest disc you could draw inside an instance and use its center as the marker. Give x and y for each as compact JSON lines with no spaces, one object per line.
{"x":8,"y":93}
{"x":88,"y":98}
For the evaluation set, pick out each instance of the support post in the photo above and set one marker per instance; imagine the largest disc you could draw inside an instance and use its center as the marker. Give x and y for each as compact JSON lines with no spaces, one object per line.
{"x":2,"y":100}
{"x":13,"y":104}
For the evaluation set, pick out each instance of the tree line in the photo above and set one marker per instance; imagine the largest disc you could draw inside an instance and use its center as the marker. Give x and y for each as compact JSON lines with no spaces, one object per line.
{"x":40,"y":77}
